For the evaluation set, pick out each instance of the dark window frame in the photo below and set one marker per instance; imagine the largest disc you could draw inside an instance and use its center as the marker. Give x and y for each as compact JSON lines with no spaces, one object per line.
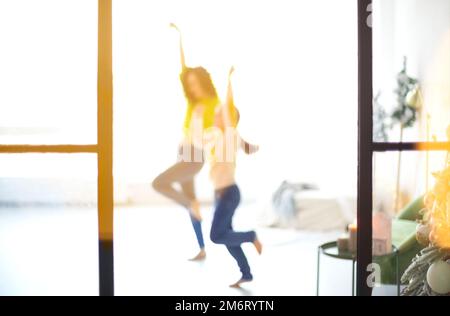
{"x":367,"y":148}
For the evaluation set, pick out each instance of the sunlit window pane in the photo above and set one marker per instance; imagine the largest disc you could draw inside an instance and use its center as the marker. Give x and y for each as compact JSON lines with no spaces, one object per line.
{"x":48,"y":225}
{"x":412,"y":69}
{"x":48,"y":69}
{"x":399,"y":206}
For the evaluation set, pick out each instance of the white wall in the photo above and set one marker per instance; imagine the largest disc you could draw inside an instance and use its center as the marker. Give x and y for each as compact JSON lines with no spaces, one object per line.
{"x":419,"y":30}
{"x":295,"y":86}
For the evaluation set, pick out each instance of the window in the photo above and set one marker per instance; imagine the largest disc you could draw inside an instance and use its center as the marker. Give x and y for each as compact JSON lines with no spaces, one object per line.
{"x":49,"y":105}
{"x":49,"y":72}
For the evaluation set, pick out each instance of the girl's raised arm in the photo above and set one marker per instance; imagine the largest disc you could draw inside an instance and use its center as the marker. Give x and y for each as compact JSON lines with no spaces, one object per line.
{"x":182,"y":57}
{"x":230,"y":113}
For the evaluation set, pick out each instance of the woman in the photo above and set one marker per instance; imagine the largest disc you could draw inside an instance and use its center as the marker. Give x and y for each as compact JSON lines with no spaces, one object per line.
{"x":223,"y":141}
{"x":200,"y":94}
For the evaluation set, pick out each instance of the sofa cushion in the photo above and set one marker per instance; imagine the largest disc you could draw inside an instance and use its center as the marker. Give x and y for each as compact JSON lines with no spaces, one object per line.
{"x":412,"y":211}
{"x":403,"y":234}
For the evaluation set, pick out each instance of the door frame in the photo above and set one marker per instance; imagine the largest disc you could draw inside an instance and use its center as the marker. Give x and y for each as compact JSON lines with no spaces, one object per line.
{"x":367,"y":147}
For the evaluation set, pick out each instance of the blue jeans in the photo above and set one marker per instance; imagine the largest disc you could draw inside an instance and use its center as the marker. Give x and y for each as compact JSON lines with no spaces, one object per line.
{"x":197,"y":225}
{"x":227,"y":201}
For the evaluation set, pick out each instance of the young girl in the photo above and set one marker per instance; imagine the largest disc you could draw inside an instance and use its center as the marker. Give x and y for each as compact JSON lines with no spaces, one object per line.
{"x":202,"y":101}
{"x":200,"y":93}
{"x":223,"y":142}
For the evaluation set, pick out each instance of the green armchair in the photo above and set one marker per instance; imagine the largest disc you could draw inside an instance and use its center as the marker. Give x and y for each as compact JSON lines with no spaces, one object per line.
{"x":404,"y":238}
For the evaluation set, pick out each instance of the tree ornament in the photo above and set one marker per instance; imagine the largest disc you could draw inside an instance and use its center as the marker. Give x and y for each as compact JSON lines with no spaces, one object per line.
{"x":422,"y":234}
{"x":438,"y":277}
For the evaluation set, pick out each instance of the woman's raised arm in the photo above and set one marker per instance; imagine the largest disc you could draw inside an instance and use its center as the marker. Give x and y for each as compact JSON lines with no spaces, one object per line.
{"x":182,"y":57}
{"x":230,"y":111}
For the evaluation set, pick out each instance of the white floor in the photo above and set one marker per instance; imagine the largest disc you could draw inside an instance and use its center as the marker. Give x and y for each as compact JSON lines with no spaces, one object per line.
{"x":51,"y":251}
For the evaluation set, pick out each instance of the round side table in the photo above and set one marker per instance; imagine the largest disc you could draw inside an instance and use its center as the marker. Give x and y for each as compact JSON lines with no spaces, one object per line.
{"x":330,"y":249}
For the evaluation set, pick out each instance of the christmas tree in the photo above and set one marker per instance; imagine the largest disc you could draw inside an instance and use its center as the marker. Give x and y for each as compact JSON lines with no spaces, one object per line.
{"x":404,"y":113}
{"x":429,"y":273}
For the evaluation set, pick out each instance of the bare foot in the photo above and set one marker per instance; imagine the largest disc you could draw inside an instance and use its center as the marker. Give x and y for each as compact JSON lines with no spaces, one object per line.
{"x":258,"y":245}
{"x":195,"y":210}
{"x":200,"y":256}
{"x":238,"y":283}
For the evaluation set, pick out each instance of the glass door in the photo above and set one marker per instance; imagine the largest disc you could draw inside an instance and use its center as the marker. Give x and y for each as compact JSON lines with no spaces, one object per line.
{"x":404,"y":141}
{"x":56,"y":147}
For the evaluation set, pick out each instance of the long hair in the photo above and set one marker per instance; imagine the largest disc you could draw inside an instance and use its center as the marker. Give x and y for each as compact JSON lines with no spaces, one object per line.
{"x":205,"y":80}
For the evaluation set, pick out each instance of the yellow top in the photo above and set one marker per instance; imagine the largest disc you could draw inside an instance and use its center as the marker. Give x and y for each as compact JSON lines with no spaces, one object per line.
{"x":220,"y":147}
{"x":208,"y":114}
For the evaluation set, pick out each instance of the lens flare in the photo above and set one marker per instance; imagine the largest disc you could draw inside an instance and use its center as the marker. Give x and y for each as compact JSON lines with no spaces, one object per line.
{"x":437,"y":106}
{"x":437,"y":204}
